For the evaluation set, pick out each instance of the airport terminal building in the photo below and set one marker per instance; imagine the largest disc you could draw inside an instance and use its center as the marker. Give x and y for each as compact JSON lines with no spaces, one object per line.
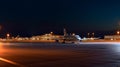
{"x":112,"y":37}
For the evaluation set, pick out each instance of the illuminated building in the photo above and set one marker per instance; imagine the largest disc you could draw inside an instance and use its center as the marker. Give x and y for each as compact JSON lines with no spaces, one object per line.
{"x":46,"y":37}
{"x":112,"y":37}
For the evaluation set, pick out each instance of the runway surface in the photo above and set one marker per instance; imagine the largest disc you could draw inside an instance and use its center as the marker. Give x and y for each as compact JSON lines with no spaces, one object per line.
{"x":60,"y":55}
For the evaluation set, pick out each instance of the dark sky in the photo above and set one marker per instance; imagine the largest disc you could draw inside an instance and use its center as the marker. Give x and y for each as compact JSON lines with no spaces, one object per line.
{"x":27,"y":17}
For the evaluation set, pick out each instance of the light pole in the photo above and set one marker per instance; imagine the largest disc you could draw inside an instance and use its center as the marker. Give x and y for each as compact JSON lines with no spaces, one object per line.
{"x":93,"y":34}
{"x":88,"y":35}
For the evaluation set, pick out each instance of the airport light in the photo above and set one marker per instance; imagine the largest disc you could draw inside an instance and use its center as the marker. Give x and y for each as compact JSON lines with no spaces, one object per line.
{"x":73,"y":34}
{"x":51,"y":33}
{"x":118,"y":32}
{"x":8,"y":35}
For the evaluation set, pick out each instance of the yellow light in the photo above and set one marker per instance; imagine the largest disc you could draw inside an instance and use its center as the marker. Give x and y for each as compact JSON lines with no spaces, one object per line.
{"x":51,"y":32}
{"x":73,"y":34}
{"x":118,"y":32}
{"x":8,"y":35}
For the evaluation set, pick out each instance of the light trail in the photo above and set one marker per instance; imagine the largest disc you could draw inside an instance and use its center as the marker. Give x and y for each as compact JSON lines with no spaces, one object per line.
{"x":11,"y":62}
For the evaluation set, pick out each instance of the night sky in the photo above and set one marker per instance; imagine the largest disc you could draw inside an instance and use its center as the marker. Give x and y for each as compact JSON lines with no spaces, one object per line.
{"x":32,"y":17}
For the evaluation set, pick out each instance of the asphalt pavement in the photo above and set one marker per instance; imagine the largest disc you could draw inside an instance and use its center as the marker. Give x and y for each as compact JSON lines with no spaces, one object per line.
{"x":59,"y":55}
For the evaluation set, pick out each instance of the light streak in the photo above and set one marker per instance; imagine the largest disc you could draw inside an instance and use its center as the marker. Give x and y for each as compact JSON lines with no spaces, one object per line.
{"x":11,"y":62}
